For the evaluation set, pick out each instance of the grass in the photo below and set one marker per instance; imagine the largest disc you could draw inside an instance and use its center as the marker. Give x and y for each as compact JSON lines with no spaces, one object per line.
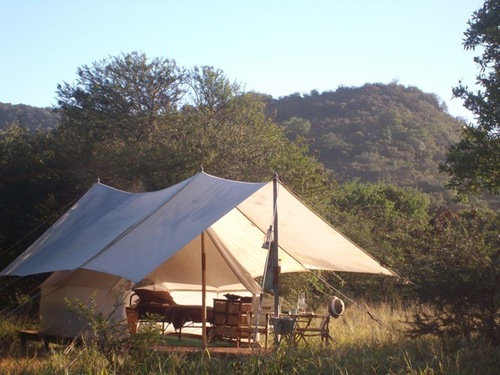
{"x":363,"y":346}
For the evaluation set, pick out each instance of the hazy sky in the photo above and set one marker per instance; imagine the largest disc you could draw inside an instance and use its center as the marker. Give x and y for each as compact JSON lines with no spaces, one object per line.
{"x":277,"y":47}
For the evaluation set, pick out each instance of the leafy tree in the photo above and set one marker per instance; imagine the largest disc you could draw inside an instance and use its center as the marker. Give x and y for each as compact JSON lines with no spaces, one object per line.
{"x":32,"y":187}
{"x":379,"y":217}
{"x":229,"y":133}
{"x":121,"y":98}
{"x":382,"y":213}
{"x":119,"y":121}
{"x":211,"y":89}
{"x":15,"y":171}
{"x":473,"y":164}
{"x":296,"y":126}
{"x":454,"y":266}
{"x":226,"y":130}
{"x":201,"y":119}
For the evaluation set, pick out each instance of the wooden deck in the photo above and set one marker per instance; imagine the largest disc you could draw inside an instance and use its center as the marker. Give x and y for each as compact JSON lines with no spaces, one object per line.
{"x":26,"y":335}
{"x":192,"y":344}
{"x":222,"y":350}
{"x":33,"y":335}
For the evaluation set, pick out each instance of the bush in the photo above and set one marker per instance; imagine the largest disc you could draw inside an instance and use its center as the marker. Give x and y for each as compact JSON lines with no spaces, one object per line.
{"x":455,"y":268}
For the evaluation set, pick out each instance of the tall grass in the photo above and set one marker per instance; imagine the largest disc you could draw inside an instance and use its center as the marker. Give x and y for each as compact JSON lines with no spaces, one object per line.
{"x":362,"y":346}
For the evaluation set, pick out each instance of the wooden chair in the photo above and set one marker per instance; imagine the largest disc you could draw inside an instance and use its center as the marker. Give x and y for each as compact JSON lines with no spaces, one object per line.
{"x":322,"y":331}
{"x":255,"y":322}
{"x":253,"y":328}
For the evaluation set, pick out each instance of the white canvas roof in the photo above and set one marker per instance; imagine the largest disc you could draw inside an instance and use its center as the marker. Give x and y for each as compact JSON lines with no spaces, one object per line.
{"x":157,"y":235}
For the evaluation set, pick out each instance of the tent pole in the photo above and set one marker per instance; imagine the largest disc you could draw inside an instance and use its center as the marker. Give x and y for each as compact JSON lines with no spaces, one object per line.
{"x":203,"y":293}
{"x":274,"y":248}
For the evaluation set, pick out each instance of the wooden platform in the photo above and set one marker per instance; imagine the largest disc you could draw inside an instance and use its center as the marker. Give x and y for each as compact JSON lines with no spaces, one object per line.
{"x":26,"y":335}
{"x":214,"y":350}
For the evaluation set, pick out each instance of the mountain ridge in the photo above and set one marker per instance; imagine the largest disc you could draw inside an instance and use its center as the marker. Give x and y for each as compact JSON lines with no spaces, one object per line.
{"x":376,"y":132}
{"x":26,"y":115}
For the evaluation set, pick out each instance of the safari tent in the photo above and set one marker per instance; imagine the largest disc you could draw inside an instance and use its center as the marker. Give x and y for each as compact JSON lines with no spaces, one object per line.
{"x":110,"y":240}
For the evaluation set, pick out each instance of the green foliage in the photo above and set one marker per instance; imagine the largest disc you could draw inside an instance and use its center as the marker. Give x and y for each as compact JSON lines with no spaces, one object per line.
{"x":473,"y":163}
{"x":121,"y":98}
{"x":375,"y":132}
{"x":119,"y":118}
{"x":379,"y":217}
{"x":303,"y":175}
{"x":27,"y":116}
{"x":106,"y":334}
{"x":179,"y":120}
{"x":454,"y":266}
{"x":9,"y":327}
{"x":297,"y":127}
{"x":233,"y":140}
{"x":29,"y":178}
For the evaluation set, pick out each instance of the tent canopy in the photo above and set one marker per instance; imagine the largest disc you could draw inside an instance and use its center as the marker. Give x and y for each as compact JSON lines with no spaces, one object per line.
{"x":158,"y":236}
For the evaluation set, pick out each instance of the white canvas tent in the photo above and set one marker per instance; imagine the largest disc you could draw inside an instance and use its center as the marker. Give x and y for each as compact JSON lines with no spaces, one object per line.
{"x":111,"y":239}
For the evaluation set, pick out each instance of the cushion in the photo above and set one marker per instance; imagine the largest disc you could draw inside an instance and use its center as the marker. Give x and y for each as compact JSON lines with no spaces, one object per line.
{"x":158,"y":296}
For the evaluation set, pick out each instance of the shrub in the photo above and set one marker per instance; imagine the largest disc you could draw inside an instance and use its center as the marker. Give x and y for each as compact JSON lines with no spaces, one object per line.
{"x":455,"y":268}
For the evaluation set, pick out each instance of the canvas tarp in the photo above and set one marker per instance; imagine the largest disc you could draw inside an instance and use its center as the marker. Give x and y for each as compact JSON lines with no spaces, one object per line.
{"x":63,"y":293}
{"x":157,"y":236}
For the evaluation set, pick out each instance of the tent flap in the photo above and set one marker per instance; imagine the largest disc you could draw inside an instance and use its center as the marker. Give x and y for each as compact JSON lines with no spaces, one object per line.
{"x":156,"y":235}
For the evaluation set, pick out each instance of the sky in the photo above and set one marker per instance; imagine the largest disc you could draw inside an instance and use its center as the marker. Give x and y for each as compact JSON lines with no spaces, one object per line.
{"x":276,"y":47}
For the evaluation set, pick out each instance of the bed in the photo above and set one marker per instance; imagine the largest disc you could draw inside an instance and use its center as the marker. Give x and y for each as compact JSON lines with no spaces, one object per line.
{"x":160,"y":306}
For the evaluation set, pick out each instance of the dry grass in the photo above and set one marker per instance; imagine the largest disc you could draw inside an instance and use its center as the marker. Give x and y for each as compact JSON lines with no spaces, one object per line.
{"x":363,"y":346}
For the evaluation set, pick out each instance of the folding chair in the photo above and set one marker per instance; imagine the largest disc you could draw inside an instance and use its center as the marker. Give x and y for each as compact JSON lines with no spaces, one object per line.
{"x":322,"y":331}
{"x":284,"y":330}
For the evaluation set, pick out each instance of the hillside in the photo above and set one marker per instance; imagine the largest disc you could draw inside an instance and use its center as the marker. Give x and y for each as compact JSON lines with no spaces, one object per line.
{"x":32,"y":117}
{"x":375,"y":132}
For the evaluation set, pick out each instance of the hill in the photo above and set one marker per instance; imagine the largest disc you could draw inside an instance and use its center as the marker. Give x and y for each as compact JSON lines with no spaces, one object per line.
{"x":385,"y":132}
{"x":375,"y":132}
{"x":32,"y":117}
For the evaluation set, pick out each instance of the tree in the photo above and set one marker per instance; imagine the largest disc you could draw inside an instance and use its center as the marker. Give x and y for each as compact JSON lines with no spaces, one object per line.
{"x":454,"y":266}
{"x":30,"y":179}
{"x":119,"y":121}
{"x":473,"y":164}
{"x":211,"y":89}
{"x":379,"y":217}
{"x":121,"y":98}
{"x":232,"y":136}
{"x":297,"y":127}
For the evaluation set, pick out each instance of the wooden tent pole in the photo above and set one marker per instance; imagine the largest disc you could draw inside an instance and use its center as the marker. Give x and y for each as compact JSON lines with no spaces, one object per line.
{"x":274,"y":248}
{"x":203,"y":293}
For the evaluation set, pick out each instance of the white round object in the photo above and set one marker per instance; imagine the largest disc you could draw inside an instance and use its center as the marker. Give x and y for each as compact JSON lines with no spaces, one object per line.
{"x":336,"y":307}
